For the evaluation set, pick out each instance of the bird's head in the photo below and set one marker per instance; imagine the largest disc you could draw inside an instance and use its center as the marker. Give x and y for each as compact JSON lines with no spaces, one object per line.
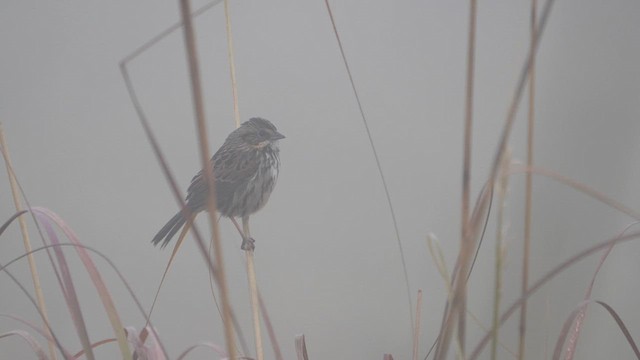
{"x":259,"y":132}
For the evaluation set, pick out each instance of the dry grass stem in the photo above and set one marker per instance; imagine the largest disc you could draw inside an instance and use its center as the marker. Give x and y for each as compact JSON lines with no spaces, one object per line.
{"x":253,"y":293}
{"x":502,"y":186}
{"x":232,"y":64}
{"x":272,"y":334}
{"x":457,"y":310}
{"x":35,"y":278}
{"x":416,"y":332}
{"x":528,"y":184}
{"x":378,"y":163}
{"x":251,"y":272}
{"x":208,"y":176}
{"x":473,"y":228}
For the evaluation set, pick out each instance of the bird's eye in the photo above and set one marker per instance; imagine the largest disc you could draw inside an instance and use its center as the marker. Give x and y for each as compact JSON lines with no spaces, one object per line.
{"x":262,"y":134}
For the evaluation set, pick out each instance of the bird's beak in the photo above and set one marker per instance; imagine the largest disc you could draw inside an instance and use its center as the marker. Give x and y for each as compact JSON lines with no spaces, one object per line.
{"x":277,"y":136}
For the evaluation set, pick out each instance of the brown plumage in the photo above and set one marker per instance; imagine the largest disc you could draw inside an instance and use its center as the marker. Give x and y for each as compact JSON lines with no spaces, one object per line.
{"x":245,"y":169}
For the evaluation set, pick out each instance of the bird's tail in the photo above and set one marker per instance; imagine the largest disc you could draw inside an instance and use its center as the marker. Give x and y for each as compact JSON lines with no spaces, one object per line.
{"x":169,"y":230}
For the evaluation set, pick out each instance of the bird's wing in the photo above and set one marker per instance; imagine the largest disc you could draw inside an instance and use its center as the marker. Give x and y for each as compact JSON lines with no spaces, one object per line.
{"x":231,"y":167}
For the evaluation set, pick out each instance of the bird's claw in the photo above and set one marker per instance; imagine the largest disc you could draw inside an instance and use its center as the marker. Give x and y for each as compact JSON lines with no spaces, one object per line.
{"x":248,"y":244}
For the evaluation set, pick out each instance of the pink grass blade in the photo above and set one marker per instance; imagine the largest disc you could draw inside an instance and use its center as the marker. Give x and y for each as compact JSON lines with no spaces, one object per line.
{"x":48,"y":335}
{"x":301,"y":348}
{"x":103,"y":257}
{"x":41,"y":331}
{"x":579,"y":313}
{"x":548,"y":276}
{"x":29,"y":339}
{"x":575,"y":334}
{"x":69,"y":291}
{"x":105,"y":297}
{"x":218,"y":349}
{"x":33,"y":301}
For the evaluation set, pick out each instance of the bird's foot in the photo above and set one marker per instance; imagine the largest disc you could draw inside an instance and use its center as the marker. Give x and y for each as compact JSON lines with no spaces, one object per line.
{"x":248,"y":244}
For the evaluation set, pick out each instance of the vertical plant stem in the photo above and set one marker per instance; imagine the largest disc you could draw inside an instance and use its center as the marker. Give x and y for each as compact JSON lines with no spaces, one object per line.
{"x":255,"y":309}
{"x":251,"y":270}
{"x":467,"y":244}
{"x":416,"y":333}
{"x":528,"y":186}
{"x":475,"y":219}
{"x":208,"y":175}
{"x":253,"y":290}
{"x":458,"y":303}
{"x":499,"y":254}
{"x":272,"y":334}
{"x":232,"y":64}
{"x":27,"y":243}
{"x":468,"y":119}
{"x":483,"y":200}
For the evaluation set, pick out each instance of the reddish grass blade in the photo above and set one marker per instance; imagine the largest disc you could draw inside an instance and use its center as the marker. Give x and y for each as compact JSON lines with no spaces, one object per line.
{"x":69,"y":292}
{"x":139,"y":306}
{"x":45,"y":215}
{"x":29,"y":339}
{"x":301,"y":348}
{"x":575,"y":334}
{"x":578,"y":313}
{"x":550,"y":275}
{"x":218,"y":349}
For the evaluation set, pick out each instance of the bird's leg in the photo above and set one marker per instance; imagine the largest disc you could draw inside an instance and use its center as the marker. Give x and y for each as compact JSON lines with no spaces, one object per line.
{"x":235,"y":222}
{"x":247,"y":241}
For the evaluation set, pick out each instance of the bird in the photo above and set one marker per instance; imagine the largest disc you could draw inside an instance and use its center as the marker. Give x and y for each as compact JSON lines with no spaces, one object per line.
{"x":245,"y":169}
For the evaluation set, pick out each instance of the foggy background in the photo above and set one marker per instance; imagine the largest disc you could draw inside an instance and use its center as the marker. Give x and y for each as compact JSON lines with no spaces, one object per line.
{"x":327,"y":259}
